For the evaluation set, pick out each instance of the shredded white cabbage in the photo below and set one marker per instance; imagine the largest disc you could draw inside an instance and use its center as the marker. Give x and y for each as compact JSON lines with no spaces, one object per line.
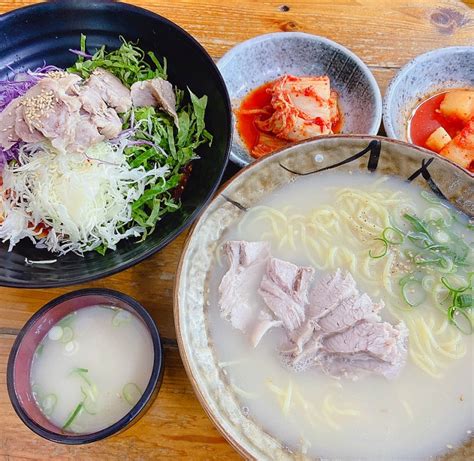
{"x":86,"y":201}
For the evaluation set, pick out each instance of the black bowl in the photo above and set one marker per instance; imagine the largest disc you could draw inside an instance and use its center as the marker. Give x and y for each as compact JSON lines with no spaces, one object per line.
{"x":31,"y":36}
{"x":23,"y":350}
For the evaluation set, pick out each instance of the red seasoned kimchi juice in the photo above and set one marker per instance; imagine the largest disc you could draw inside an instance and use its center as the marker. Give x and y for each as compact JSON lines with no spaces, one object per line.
{"x":427,"y":118}
{"x":256,"y":105}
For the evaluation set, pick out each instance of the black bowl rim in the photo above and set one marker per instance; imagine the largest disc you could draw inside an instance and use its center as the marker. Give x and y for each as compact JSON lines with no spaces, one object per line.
{"x":152,"y":388}
{"x":124,"y":8}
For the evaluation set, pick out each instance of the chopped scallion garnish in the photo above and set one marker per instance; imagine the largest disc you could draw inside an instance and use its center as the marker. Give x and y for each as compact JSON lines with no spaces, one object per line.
{"x":393,"y":236}
{"x":413,"y":293}
{"x":48,"y":404}
{"x":383,"y":250}
{"x":131,"y":393}
{"x":75,"y":413}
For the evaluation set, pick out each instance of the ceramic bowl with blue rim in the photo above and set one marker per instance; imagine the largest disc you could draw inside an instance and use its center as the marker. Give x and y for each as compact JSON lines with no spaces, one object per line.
{"x":430,"y":73}
{"x":267,"y":57}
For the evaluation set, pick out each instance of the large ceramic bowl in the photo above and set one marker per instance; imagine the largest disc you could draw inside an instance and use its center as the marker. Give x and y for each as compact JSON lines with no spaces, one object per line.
{"x":267,"y":57}
{"x":343,"y":153}
{"x":427,"y":74}
{"x":44,"y":32}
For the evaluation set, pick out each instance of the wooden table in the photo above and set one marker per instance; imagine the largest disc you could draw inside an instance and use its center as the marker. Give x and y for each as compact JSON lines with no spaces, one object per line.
{"x":385,"y":34}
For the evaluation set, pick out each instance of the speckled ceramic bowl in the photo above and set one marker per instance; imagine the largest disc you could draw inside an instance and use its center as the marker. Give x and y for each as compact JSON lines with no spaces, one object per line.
{"x":425,"y":75}
{"x":267,"y":57}
{"x":192,"y":302}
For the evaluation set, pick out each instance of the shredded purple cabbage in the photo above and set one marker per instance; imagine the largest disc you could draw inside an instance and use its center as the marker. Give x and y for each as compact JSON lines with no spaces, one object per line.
{"x":141,"y":142}
{"x":13,"y":88}
{"x":9,"y":154}
{"x":81,"y":53}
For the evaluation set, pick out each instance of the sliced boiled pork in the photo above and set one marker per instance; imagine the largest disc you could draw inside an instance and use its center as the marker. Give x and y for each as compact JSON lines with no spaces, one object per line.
{"x":111,"y":90}
{"x":71,"y":113}
{"x":330,"y":325}
{"x":284,"y":289}
{"x":345,"y":332}
{"x":156,"y":93}
{"x":247,"y":261}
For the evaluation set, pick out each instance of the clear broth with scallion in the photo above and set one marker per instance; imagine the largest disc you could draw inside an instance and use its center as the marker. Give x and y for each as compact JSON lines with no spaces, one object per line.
{"x":92,"y":368}
{"x":330,"y":221}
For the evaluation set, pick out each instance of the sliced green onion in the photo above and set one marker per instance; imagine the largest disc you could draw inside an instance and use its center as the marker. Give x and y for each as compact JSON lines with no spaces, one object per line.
{"x":414,"y":276}
{"x":56,"y":333}
{"x":48,"y":404}
{"x":417,"y":224}
{"x":68,"y":335}
{"x":441,"y":236}
{"x":461,"y":320}
{"x":35,"y":388}
{"x":419,"y":239}
{"x":383,"y":251}
{"x":436,"y":247}
{"x":66,"y":321}
{"x":70,"y":347}
{"x":82,"y":373}
{"x":438,"y":216}
{"x":75,"y":413}
{"x":90,"y":391}
{"x":90,"y":399}
{"x":413,"y":293}
{"x":430,"y":197}
{"x":441,"y":295}
{"x":428,"y":282}
{"x":392,"y":235}
{"x":446,"y":264}
{"x":456,"y":284}
{"x":121,"y":317}
{"x":464,"y":301}
{"x":39,"y":350}
{"x":422,"y":259}
{"x":131,"y":393}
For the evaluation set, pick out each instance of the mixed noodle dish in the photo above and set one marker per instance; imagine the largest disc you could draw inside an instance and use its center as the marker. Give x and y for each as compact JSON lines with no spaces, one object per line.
{"x":96,"y":153}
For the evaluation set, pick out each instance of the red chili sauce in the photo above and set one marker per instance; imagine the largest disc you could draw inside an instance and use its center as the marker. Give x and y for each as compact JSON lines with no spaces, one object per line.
{"x":257,"y":100}
{"x":427,"y":118}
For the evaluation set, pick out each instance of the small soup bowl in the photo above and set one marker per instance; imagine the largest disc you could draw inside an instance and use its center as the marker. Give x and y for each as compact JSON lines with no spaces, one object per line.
{"x":37,"y":327}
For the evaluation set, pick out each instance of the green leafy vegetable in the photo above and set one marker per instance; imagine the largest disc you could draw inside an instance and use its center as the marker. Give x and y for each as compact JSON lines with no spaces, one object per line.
{"x":165,"y":145}
{"x":129,"y":63}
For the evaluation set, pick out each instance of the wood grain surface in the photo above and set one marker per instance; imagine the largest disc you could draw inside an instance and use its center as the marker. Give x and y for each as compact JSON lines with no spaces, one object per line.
{"x":385,"y":34}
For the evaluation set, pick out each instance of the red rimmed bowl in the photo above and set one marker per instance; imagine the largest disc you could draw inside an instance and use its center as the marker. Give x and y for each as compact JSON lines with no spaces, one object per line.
{"x":38,"y":326}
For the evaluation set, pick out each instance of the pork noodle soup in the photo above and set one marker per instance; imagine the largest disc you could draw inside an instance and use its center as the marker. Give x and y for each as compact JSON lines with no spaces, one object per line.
{"x":383,"y":379}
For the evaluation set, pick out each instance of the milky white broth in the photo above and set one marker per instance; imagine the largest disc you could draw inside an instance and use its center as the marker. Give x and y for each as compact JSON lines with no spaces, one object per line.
{"x":114,"y":347}
{"x":413,"y":416}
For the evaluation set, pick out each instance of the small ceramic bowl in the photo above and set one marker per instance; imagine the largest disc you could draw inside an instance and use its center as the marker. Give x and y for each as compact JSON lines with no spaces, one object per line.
{"x":267,"y":57}
{"x":23,"y":350}
{"x":422,"y":77}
